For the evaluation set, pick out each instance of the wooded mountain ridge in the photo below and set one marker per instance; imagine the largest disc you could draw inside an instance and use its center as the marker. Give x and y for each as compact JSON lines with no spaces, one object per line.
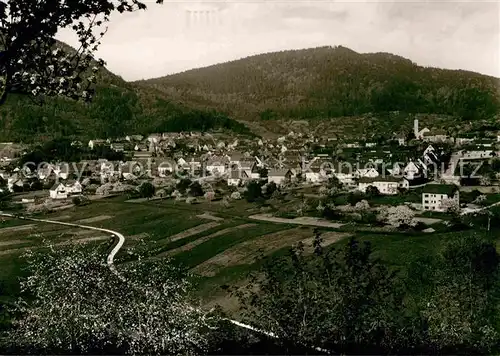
{"x":309,"y":84}
{"x":329,"y":82}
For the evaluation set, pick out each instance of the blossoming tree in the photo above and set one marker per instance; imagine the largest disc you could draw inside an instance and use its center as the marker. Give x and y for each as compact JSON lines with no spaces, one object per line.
{"x":78,"y":305}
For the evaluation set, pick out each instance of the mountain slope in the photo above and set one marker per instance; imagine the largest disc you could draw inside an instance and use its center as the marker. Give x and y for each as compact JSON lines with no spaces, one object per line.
{"x":331,"y":82}
{"x":119,"y":108}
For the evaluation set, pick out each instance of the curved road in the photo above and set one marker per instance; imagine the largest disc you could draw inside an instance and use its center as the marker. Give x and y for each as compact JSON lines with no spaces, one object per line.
{"x":112,"y":254}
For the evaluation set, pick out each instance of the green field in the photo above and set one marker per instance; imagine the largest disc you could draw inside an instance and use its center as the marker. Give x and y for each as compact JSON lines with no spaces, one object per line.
{"x":219,"y":245}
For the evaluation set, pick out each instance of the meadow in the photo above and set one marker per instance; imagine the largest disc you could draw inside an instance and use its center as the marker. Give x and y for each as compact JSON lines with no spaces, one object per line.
{"x":219,"y":245}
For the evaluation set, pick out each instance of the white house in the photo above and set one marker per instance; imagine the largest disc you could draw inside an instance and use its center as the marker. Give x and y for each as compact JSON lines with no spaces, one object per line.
{"x":93,"y":143}
{"x":45,"y":171}
{"x":236,"y":158}
{"x":419,"y":134}
{"x":165,"y":168}
{"x":279,"y":176}
{"x":435,"y":136}
{"x":385,"y":185}
{"x":236,"y":177}
{"x":217,"y":165}
{"x":477,"y":153}
{"x":74,"y":187}
{"x":314,"y":175}
{"x":345,"y":174}
{"x":413,"y":170}
{"x":58,"y":191}
{"x":460,"y":141}
{"x":255,"y":171}
{"x":434,"y":195}
{"x":369,"y":172}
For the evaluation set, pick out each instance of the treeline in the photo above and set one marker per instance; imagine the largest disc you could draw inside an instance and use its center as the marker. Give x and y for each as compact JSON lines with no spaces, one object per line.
{"x":316,"y":299}
{"x":196,"y":120}
{"x":331,"y":82}
{"x":115,"y":112}
{"x":347,"y":301}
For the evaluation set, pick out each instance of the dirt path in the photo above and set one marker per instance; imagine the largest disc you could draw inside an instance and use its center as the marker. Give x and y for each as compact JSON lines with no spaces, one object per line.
{"x":208,"y":216}
{"x":306,"y":221}
{"x":248,"y":252}
{"x":197,"y":242}
{"x":16,"y":228}
{"x":12,"y":242}
{"x":94,"y":219}
{"x":193,"y":231}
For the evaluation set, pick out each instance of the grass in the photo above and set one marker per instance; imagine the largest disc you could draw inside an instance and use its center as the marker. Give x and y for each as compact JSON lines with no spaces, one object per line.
{"x":397,"y":199}
{"x":163,"y":219}
{"x":492,"y":198}
{"x":238,"y":208}
{"x":214,"y":246}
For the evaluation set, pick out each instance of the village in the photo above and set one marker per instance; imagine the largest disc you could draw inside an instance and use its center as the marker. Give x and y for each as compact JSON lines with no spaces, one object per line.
{"x":436,"y":166}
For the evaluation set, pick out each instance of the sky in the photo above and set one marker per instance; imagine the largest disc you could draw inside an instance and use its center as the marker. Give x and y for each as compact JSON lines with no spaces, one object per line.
{"x":171,"y":38}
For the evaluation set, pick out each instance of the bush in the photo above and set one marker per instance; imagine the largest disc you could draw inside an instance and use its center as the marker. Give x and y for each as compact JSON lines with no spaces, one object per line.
{"x":147,"y":190}
{"x":355,"y":197}
{"x":195,"y":190}
{"x":236,"y":196}
{"x":80,"y":200}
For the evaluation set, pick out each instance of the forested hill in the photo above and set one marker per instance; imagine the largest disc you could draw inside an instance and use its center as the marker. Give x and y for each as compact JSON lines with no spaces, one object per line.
{"x":119,"y":108}
{"x":326,"y":82}
{"x":329,"y":82}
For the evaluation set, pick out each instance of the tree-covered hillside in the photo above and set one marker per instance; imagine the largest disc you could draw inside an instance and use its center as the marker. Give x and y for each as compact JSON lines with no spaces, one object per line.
{"x":320,"y":83}
{"x":118,"y":108}
{"x":329,"y":82}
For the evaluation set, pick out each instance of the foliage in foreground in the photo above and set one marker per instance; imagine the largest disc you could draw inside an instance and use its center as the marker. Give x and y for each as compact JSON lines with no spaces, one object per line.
{"x":73,"y":303}
{"x":344,"y":300}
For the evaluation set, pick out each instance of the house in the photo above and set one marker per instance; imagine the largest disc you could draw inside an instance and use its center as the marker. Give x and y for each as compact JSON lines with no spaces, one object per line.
{"x":131,"y":170}
{"x":344,"y":172}
{"x":73,"y":187}
{"x":435,"y":136}
{"x":414,"y":170}
{"x":43,"y":172}
{"x":484,"y":142}
{"x":279,"y":176}
{"x":165,"y":168}
{"x":351,"y":144}
{"x":108,"y":169}
{"x":396,"y":170}
{"x":433,"y":196}
{"x":419,"y":134}
{"x":314,"y":175}
{"x":191,"y":163}
{"x":132,"y":138}
{"x":93,"y":143}
{"x":217,"y":165}
{"x":367,"y":172}
{"x":385,"y":185}
{"x":236,"y":158}
{"x":118,"y":147}
{"x":236,"y":177}
{"x":477,"y":152}
{"x":154,"y":138}
{"x":255,"y":171}
{"x":142,"y":154}
{"x":460,"y":141}
{"x":401,"y":138}
{"x":58,"y":191}
{"x":15,"y":183}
